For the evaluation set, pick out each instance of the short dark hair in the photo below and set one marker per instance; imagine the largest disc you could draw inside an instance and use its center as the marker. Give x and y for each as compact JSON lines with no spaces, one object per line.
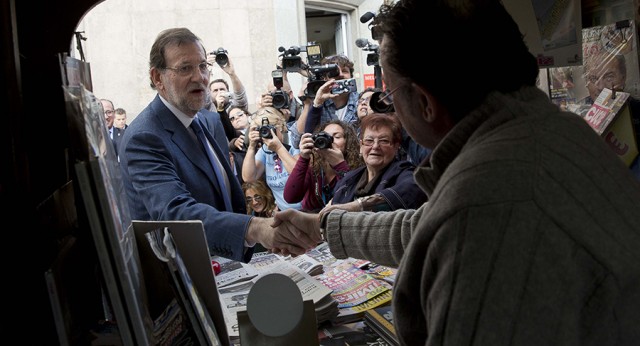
{"x":165,"y":38}
{"x":219,"y":80}
{"x":340,"y":60}
{"x":464,"y":70}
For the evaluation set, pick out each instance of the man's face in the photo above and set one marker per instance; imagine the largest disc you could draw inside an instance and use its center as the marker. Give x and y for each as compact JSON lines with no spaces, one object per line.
{"x":120,"y":121}
{"x":217,"y":87}
{"x":108,"y":113}
{"x":409,"y":108}
{"x":186,"y":91}
{"x":604,"y":73}
{"x":345,"y":73}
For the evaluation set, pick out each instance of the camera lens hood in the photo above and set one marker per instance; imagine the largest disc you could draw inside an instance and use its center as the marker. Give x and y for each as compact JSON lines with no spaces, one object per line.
{"x":379,"y":106}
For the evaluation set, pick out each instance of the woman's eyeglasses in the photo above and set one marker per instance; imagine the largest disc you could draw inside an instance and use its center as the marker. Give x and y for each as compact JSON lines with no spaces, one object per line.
{"x":187,"y":70}
{"x":364,"y":100}
{"x":369,"y":142}
{"x":256,"y":198}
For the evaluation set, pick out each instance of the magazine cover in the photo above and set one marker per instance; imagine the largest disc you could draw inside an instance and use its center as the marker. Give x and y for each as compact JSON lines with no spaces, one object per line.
{"x":610,"y":60}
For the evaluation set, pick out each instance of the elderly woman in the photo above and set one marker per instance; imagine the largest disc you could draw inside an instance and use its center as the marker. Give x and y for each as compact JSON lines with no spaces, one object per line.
{"x":268,"y":156}
{"x":385,"y":182}
{"x":323,"y":161}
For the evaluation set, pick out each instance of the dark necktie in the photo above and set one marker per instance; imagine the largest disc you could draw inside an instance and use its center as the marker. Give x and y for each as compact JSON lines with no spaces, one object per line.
{"x":217,"y":168}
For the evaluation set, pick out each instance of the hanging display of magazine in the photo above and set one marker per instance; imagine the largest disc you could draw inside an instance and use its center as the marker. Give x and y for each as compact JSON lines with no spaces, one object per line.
{"x":102,"y":193}
{"x":610,"y":60}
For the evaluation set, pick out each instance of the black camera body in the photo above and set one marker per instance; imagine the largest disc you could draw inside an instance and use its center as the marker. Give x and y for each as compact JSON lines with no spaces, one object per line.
{"x":279,"y":98}
{"x":322,"y":140}
{"x":265,"y":129}
{"x":222,"y":59}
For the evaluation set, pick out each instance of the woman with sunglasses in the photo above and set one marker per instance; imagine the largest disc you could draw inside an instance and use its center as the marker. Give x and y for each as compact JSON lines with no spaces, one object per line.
{"x":260,"y":201}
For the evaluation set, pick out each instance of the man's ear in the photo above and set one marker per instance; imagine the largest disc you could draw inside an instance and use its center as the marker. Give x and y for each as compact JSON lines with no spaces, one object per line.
{"x":429,"y":104}
{"x":155,"y":78}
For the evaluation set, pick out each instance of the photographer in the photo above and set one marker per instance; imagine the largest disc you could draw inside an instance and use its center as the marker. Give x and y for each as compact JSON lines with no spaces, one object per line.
{"x":282,"y":98}
{"x":325,"y":157}
{"x":327,"y":105}
{"x":268,"y":157}
{"x":220,"y":96}
{"x":288,"y":104}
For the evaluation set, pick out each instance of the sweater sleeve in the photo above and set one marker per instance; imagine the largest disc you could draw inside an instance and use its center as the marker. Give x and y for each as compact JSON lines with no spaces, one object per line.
{"x":313,"y":119}
{"x":378,"y":237}
{"x":294,"y":188}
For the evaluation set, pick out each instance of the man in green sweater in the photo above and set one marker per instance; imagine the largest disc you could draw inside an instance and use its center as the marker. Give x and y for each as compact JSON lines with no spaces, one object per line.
{"x":531,"y":234}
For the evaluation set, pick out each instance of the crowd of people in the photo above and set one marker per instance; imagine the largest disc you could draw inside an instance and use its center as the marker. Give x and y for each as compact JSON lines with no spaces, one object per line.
{"x":486,"y":203}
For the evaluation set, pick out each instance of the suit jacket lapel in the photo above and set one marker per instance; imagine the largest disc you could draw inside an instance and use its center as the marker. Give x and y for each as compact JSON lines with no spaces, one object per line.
{"x":182,"y":137}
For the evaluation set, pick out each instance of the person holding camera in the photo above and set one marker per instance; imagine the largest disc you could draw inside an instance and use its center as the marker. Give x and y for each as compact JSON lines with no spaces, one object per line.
{"x":221,"y":98}
{"x":268,"y":157}
{"x":385,"y":182}
{"x":325,"y":157}
{"x":337,"y":98}
{"x":280,"y":95}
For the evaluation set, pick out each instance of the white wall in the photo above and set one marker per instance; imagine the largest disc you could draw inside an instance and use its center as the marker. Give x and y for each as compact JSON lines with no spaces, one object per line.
{"x":120,"y":33}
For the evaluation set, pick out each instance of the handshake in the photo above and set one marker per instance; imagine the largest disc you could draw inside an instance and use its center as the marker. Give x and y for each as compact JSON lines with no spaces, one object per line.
{"x":289,"y":232}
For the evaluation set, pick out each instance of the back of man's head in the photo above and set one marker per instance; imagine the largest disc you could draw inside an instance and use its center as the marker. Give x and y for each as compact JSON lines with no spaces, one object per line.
{"x":469,"y":44}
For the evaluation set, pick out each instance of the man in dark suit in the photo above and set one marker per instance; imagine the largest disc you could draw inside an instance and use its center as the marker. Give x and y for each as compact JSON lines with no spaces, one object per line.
{"x":109,"y":116}
{"x":169,"y":175}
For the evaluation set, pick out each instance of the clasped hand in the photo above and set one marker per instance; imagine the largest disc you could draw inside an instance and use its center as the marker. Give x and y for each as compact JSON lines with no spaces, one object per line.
{"x":295,"y":232}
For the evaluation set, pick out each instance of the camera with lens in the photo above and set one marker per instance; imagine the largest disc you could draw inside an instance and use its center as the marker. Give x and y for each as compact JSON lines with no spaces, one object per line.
{"x":222,"y":59}
{"x":265,"y":129}
{"x":279,"y":98}
{"x":322,"y":140}
{"x":316,"y":73}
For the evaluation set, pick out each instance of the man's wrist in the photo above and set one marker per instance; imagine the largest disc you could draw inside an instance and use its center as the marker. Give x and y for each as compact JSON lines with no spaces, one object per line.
{"x":323,"y":217}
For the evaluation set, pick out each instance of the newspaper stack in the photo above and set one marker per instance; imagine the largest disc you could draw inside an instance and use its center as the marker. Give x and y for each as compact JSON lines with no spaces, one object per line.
{"x":234,"y":287}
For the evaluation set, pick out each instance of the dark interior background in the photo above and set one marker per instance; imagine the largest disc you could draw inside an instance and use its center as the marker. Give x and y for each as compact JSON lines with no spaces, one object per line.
{"x":40,"y":219}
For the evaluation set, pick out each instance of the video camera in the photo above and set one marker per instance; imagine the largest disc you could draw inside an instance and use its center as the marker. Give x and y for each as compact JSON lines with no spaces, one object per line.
{"x":279,"y":98}
{"x":316,"y":73}
{"x":373,"y":57}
